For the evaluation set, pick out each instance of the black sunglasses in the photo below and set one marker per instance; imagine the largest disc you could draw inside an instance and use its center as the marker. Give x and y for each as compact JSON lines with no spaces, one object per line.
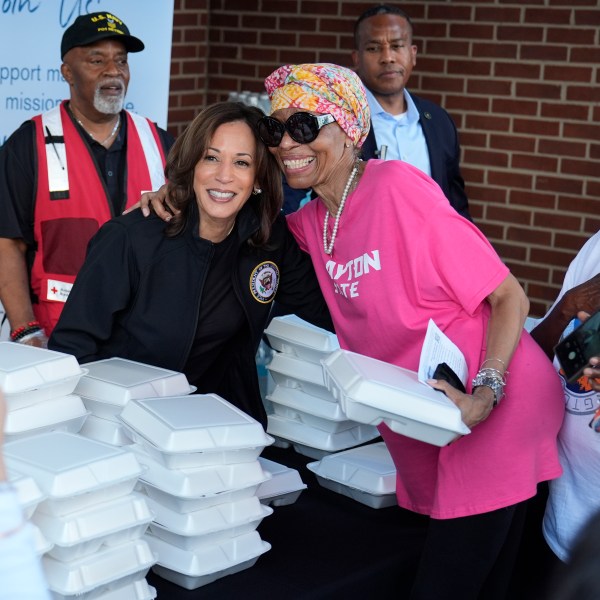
{"x":302,"y":127}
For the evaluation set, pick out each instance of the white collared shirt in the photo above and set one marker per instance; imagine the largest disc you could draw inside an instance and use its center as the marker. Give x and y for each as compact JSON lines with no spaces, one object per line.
{"x":402,"y":134}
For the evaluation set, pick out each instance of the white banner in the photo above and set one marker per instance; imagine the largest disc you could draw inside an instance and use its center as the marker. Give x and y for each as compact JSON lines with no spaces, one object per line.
{"x":30,"y":79}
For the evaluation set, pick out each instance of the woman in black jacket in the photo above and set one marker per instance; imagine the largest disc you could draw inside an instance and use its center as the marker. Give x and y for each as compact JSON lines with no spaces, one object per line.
{"x":194,"y":294}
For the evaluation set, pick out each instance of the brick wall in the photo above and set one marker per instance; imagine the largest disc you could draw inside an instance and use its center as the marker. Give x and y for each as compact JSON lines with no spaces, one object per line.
{"x":521,"y":80}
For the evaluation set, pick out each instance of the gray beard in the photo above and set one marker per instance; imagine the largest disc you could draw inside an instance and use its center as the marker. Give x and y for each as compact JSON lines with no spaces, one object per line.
{"x":108,"y":106}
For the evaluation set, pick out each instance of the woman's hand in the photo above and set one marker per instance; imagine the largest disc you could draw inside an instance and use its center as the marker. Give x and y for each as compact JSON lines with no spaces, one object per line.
{"x":474,"y":408}
{"x":158,"y":201}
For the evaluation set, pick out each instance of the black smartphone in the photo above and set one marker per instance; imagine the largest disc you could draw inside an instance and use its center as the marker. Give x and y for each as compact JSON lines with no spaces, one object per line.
{"x":575,"y":350}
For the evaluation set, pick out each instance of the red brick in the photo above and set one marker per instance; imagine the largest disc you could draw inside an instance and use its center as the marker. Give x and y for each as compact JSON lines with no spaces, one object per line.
{"x":571,"y":35}
{"x":511,"y":142}
{"x":564,"y":111}
{"x":520,"y":34}
{"x":583,"y":93}
{"x":488,"y":122}
{"x":548,"y":16}
{"x":544,"y":52}
{"x":469,"y":67}
{"x":562,"y":148}
{"x":532,"y":199}
{"x":529,"y":235}
{"x":534,"y":162}
{"x":567,"y":73}
{"x":517,"y":70}
{"x":514,"y":107}
{"x":489,"y":87}
{"x":537,"y":90}
{"x":559,"y":184}
{"x":447,"y":48}
{"x":510,"y":179}
{"x":497,"y":15}
{"x":482,"y":157}
{"x":587,"y":17}
{"x":542,"y":127}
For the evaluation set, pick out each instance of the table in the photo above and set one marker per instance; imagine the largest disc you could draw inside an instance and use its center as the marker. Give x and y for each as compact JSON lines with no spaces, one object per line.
{"x":325,"y":545}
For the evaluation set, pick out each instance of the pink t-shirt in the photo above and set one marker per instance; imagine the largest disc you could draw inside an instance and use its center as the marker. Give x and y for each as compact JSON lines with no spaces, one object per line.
{"x":402,"y":255}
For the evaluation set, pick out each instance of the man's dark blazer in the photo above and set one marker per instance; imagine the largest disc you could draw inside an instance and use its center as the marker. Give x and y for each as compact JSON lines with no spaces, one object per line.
{"x":444,"y":152}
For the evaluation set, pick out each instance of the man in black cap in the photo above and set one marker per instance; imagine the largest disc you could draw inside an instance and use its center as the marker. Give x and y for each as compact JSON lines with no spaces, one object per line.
{"x":65,"y":172}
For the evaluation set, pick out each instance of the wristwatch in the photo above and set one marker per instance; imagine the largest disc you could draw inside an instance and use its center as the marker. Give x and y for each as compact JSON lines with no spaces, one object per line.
{"x":494,"y":383}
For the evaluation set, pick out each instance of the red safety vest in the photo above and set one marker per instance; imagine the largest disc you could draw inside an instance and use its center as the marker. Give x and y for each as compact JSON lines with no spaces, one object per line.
{"x":72,"y":202}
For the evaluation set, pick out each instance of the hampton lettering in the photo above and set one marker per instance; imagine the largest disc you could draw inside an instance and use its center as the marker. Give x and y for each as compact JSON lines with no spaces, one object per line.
{"x":345,"y":275}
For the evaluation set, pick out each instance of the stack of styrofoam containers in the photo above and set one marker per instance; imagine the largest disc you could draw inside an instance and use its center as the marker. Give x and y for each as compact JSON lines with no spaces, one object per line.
{"x":201,"y":474}
{"x":366,"y":474}
{"x":111,"y":383}
{"x":306,"y":414}
{"x":38,"y":385}
{"x":91,"y":514}
{"x":373,"y":391}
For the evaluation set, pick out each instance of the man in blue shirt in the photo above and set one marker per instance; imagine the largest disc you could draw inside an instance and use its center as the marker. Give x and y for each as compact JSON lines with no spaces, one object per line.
{"x":404,"y":126}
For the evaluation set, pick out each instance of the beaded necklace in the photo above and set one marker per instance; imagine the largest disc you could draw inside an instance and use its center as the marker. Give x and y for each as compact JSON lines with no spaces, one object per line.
{"x":329,"y":247}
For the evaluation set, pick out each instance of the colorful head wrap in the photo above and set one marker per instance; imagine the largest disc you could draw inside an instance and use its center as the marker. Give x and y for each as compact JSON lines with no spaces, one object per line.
{"x":323,"y":88}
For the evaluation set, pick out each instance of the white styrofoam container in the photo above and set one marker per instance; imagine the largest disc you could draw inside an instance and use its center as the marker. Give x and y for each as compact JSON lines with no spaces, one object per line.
{"x":199,"y":481}
{"x":41,"y":542}
{"x":29,"y":374}
{"x":184,"y":431}
{"x":71,"y":470}
{"x":292,"y":372}
{"x":124,"y":563}
{"x":188,"y":530}
{"x":112,"y":382}
{"x":297,"y":399}
{"x":192,"y":569}
{"x":28,"y":492}
{"x":292,"y":335}
{"x":105,"y":430}
{"x":138,"y":589}
{"x":372,"y":391}
{"x":82,"y":532}
{"x":284,"y":487}
{"x":305,"y":435}
{"x":64,"y":413}
{"x":305,"y":418}
{"x":193,"y":503}
{"x":366,"y":474}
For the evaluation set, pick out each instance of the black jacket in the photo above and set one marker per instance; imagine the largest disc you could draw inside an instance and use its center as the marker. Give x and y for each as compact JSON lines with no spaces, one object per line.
{"x":444,"y":152}
{"x":138,"y":295}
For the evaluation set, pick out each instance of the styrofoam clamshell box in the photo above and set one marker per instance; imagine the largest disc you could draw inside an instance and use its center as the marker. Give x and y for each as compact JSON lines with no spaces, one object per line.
{"x":305,"y":418}
{"x":226,"y":520}
{"x":297,"y":399}
{"x":195,"y":430}
{"x":372,"y":391}
{"x":138,"y":589}
{"x":41,"y":542}
{"x":292,"y":335}
{"x":317,"y":438}
{"x":29,"y":375}
{"x":289,"y":371}
{"x":28,"y":491}
{"x":65,"y":413}
{"x":82,"y":532}
{"x":192,"y":569}
{"x":284,"y":487}
{"x":105,"y":430}
{"x":198,"y":482}
{"x":111,"y":383}
{"x":124,"y":563}
{"x":72,"y":471}
{"x":366,"y":474}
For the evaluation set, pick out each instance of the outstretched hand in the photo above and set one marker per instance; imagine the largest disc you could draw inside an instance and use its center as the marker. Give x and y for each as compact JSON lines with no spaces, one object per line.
{"x":592,"y":372}
{"x":157,"y":201}
{"x":474,"y":408}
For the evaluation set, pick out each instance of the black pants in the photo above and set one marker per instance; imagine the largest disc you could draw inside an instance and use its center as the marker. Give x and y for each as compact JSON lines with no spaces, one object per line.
{"x":470,"y":558}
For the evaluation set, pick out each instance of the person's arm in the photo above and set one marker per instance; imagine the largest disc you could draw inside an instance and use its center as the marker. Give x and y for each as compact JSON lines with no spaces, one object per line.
{"x":14,"y":289}
{"x":579,"y":301}
{"x":509,"y":308}
{"x":21,"y":574}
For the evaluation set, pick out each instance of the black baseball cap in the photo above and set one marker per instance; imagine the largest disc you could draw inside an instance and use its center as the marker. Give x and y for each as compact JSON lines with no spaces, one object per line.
{"x":93,"y":27}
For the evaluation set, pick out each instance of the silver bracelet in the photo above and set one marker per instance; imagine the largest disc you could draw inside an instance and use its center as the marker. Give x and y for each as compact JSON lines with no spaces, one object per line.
{"x":494,"y":380}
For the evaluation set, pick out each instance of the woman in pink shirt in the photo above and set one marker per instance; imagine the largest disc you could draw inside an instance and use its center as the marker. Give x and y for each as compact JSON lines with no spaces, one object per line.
{"x":390,"y":254}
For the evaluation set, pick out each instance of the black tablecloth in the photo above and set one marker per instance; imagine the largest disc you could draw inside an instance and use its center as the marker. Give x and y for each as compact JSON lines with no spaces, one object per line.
{"x":324,"y":545}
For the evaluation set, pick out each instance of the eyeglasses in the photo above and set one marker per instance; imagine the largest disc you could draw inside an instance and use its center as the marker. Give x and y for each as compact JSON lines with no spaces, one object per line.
{"x":302,"y":127}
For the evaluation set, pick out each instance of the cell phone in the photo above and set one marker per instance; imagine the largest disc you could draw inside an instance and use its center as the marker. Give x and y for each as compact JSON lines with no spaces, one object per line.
{"x":575,"y":350}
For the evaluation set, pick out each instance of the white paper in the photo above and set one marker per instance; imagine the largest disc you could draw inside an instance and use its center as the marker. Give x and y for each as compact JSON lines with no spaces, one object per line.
{"x":438,"y":348}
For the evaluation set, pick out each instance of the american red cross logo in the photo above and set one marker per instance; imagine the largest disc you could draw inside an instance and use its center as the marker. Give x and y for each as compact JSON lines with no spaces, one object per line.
{"x":54,"y":290}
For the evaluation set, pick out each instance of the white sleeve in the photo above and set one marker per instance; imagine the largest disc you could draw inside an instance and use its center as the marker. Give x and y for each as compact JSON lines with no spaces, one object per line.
{"x":21,"y":574}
